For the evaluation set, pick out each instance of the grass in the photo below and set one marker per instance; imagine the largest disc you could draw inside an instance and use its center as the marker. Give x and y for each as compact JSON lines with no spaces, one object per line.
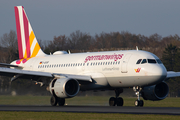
{"x":79,"y":116}
{"x":85,"y":100}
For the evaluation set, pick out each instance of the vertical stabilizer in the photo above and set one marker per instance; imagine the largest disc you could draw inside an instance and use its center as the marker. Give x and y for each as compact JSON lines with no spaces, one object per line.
{"x":27,"y":42}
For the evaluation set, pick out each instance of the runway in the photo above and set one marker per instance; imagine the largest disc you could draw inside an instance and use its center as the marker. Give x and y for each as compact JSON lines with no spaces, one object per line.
{"x":94,"y":109}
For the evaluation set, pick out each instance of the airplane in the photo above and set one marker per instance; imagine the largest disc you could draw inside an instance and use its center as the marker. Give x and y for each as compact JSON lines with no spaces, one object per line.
{"x":65,"y":74}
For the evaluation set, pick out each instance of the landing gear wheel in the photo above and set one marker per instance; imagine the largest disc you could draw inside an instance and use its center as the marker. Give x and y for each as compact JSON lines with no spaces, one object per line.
{"x":136,"y":103}
{"x":137,"y":91}
{"x":61,"y":101}
{"x":53,"y":101}
{"x":119,"y":101}
{"x":112,"y":101}
{"x":139,"y":103}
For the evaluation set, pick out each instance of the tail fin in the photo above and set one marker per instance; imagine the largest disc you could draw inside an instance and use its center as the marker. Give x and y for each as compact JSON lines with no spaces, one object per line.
{"x":27,"y":42}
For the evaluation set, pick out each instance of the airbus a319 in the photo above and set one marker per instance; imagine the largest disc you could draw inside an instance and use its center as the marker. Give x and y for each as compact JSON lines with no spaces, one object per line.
{"x":66,"y":74}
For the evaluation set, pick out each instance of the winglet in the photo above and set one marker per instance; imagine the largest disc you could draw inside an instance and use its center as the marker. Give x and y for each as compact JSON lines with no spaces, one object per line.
{"x":27,"y":42}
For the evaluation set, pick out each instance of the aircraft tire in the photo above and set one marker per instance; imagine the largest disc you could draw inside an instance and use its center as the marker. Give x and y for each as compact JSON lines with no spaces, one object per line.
{"x":119,"y":101}
{"x":136,"y":103}
{"x":53,"y":101}
{"x":61,"y":101}
{"x":112,"y":101}
{"x":139,"y":103}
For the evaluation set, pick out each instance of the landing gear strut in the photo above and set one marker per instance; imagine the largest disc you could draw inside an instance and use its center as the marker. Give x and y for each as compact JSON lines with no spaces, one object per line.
{"x":113,"y":101}
{"x":137,"y":91}
{"x":56,"y":100}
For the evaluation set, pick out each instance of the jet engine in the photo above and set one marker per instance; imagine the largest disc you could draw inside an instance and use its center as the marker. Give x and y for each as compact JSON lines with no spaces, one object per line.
{"x":64,"y":87}
{"x":155,"y":92}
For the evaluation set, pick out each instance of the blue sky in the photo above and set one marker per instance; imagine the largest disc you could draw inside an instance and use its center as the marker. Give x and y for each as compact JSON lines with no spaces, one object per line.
{"x":51,"y":18}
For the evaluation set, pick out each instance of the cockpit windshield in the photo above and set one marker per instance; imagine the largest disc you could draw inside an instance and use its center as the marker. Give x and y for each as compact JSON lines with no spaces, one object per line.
{"x":158,"y":61}
{"x":139,"y":61}
{"x":144,"y":61}
{"x":151,"y":61}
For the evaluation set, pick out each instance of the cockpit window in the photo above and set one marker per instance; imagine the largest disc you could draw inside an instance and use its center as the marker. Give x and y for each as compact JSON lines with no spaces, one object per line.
{"x":139,"y":61}
{"x":158,"y":61}
{"x":151,"y":61}
{"x":144,"y":61}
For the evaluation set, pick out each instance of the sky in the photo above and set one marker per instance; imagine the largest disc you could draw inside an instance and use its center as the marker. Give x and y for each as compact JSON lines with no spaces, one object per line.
{"x":51,"y":18}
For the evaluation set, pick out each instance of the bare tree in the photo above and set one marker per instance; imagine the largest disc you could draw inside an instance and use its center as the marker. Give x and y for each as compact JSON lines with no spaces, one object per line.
{"x":79,"y":40}
{"x":8,"y":53}
{"x":9,"y":46}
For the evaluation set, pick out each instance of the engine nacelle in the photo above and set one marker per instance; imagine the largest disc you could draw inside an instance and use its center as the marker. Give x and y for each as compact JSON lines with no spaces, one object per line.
{"x":155,"y":92}
{"x":64,"y":87}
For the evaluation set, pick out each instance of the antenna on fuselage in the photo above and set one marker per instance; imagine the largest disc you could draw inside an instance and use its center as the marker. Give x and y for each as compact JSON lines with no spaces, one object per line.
{"x":69,"y":51}
{"x":137,"y":48}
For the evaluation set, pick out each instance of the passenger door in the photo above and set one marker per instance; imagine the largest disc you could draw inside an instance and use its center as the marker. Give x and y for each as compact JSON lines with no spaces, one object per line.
{"x":125,"y":63}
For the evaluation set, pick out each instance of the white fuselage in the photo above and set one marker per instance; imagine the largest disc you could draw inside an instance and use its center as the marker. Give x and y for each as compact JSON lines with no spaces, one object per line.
{"x":107,"y":69}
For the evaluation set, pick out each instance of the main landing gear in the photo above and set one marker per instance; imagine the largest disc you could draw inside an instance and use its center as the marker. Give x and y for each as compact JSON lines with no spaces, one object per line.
{"x":137,"y":91}
{"x":56,"y":100}
{"x":113,"y":101}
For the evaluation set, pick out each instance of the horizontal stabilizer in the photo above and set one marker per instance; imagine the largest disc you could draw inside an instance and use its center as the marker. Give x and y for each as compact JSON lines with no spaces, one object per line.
{"x":10,"y":65}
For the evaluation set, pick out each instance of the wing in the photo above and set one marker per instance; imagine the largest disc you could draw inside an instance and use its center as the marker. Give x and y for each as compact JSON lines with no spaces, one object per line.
{"x":18,"y":73}
{"x":35,"y":75}
{"x":171,"y":74}
{"x":82,"y":79}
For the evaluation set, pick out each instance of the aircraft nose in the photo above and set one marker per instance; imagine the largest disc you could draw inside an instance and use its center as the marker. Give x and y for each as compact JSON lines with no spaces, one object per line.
{"x":160,"y":70}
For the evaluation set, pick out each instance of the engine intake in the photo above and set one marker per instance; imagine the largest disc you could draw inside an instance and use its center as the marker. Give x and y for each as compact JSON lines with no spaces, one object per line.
{"x":155,"y":92}
{"x":64,"y":88}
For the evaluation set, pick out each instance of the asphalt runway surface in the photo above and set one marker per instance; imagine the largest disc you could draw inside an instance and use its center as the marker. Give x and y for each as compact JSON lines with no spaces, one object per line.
{"x":94,"y":109}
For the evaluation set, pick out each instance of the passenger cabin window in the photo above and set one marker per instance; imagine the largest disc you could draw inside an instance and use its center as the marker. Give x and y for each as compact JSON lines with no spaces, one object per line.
{"x":151,"y":60}
{"x":139,"y":61}
{"x":144,"y":61}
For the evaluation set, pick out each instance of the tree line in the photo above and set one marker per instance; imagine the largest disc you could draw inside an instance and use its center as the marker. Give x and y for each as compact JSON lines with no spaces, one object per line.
{"x":166,"y":48}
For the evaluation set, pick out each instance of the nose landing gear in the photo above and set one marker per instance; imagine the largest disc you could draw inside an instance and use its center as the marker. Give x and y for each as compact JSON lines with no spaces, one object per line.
{"x":137,"y":91}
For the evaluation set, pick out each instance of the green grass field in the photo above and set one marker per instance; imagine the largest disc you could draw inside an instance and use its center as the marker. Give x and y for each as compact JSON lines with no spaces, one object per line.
{"x":87,"y":100}
{"x":80,"y":116}
{"x":84,"y":100}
